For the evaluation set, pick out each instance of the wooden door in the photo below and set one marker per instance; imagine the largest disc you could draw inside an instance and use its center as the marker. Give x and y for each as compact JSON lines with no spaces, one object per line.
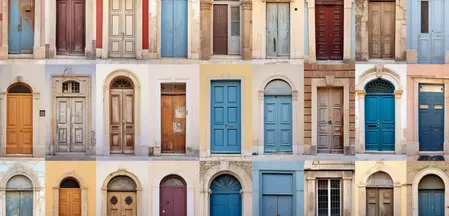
{"x":71,"y":133}
{"x":122,"y":121}
{"x":278,"y":29}
{"x":329,"y":30}
{"x":122,"y":24}
{"x":21,"y":27}
{"x":173,"y":109}
{"x":220,"y":29}
{"x":330,"y":120}
{"x":122,"y":204}
{"x":70,"y":30}
{"x":69,"y":202}
{"x":381,"y":29}
{"x":19,"y":126}
{"x":379,"y":202}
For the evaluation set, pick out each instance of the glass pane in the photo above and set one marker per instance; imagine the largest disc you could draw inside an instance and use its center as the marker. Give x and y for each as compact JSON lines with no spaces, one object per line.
{"x":380,"y":179}
{"x":424,"y":106}
{"x":19,"y":182}
{"x":122,"y":83}
{"x":19,"y":89}
{"x":235,"y":21}
{"x":335,"y":197}
{"x":173,"y":181}
{"x":69,"y":183}
{"x":431,"y":88}
{"x":278,"y":87}
{"x":122,"y":183}
{"x":424,"y":17}
{"x":438,"y":106}
{"x":322,"y":198}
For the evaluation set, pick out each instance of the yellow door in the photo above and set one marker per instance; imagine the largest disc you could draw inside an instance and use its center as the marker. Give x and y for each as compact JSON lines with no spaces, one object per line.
{"x":19,"y":123}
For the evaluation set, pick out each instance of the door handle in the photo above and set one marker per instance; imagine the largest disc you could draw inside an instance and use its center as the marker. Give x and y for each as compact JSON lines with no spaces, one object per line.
{"x":274,"y":44}
{"x":19,"y":26}
{"x":329,"y":122}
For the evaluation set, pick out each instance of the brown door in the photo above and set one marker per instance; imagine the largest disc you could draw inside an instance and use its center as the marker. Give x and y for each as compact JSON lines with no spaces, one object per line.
{"x":220,"y":29}
{"x":381,"y":29}
{"x":122,"y":121}
{"x":19,"y":128}
{"x":329,"y":30}
{"x":69,"y":202}
{"x":379,"y":202}
{"x":173,"y":198}
{"x":173,"y":108}
{"x":330,"y":120}
{"x":121,"y":203}
{"x":70,"y":33}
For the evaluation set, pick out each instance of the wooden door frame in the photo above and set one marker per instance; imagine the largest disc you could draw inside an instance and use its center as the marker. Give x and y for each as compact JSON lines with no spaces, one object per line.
{"x":190,"y":193}
{"x":264,"y":24}
{"x":229,"y":4}
{"x":83,"y":189}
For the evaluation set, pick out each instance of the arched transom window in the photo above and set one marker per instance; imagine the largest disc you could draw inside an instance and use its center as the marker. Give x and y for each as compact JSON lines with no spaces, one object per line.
{"x":122,"y":83}
{"x":379,"y":86}
{"x":278,"y":87}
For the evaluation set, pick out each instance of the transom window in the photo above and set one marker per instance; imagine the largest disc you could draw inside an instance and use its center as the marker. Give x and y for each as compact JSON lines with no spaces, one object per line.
{"x":173,"y":88}
{"x":19,"y":182}
{"x":329,"y":197}
{"x":70,"y":87}
{"x":69,"y":183}
{"x":122,"y":83}
{"x":277,"y":87}
{"x":379,"y":86}
{"x":19,"y":88}
{"x":173,"y":181}
{"x":122,"y":183}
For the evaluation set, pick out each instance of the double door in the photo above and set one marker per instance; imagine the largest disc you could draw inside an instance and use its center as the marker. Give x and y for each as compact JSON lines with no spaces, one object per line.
{"x":277,"y":205}
{"x":19,"y":124}
{"x":278,"y":123}
{"x":329,"y":30}
{"x":21,"y":26}
{"x":70,"y":202}
{"x":431,"y":202}
{"x":173,"y":201}
{"x":278,"y":29}
{"x":173,"y":123}
{"x":70,"y":30}
{"x":431,"y":39}
{"x":226,"y":29}
{"x":226,"y":204}
{"x":122,"y":24}
{"x":379,"y":123}
{"x":381,"y":29}
{"x":431,"y":117}
{"x":122,"y":203}
{"x":330,"y":120}
{"x":122,"y":121}
{"x":174,"y":28}
{"x":379,"y":202}
{"x":71,"y":133}
{"x":19,"y":203}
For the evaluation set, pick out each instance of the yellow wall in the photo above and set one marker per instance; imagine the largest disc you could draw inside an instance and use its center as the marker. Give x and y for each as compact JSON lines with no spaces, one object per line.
{"x":228,"y":71}
{"x":397,"y":171}
{"x":54,"y":170}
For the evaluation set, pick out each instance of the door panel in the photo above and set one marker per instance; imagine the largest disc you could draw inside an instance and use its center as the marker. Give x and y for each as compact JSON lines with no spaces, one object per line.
{"x":330,"y":120}
{"x":173,"y":201}
{"x":431,"y":202}
{"x":329,"y":32}
{"x":382,"y":28}
{"x":278,"y":29}
{"x":226,"y":204}
{"x":220,"y":29}
{"x":19,"y":203}
{"x":19,"y":124}
{"x":278,"y":123}
{"x":69,"y":202}
{"x":122,"y":28}
{"x":379,"y":202}
{"x":431,"y":119}
{"x":173,"y":123}
{"x":379,"y":123}
{"x":121,"y":203}
{"x":70,"y":30}
{"x":174,"y":28}
{"x":122,"y":121}
{"x":21,"y":27}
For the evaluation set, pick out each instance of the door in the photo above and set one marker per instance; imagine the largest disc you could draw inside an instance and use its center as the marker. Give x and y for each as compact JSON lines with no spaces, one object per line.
{"x":173,"y":198}
{"x":122,"y":121}
{"x":225,"y":199}
{"x":122,"y":38}
{"x":19,"y":203}
{"x":431,"y":117}
{"x":220,"y":29}
{"x":431,"y":202}
{"x":69,"y":202}
{"x":329,"y":31}
{"x":278,"y":123}
{"x":122,"y":203}
{"x":381,"y":28}
{"x":71,"y":124}
{"x":379,"y":123}
{"x":379,"y":202}
{"x":19,"y":126}
{"x":21,"y":27}
{"x":277,"y":205}
{"x":226,"y":133}
{"x":278,"y":29}
{"x":330,"y":120}
{"x":70,"y":30}
{"x":173,"y":109}
{"x":174,"y":28}
{"x":431,"y":40}
{"x":277,"y":199}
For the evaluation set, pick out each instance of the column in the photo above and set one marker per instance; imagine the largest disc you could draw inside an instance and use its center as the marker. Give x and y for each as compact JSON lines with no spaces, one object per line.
{"x":247,"y":29}
{"x":205,"y":29}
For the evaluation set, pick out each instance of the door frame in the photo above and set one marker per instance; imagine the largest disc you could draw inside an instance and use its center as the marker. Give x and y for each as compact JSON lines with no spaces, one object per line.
{"x":190,"y":193}
{"x":138,"y":150}
{"x":367,"y":76}
{"x":229,"y":4}
{"x":83,"y":188}
{"x":78,"y":78}
{"x":264,"y":24}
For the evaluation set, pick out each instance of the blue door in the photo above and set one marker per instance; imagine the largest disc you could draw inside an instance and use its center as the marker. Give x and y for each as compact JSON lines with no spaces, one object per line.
{"x":431,"y":202}
{"x":174,"y":28}
{"x":277,"y":194}
{"x":19,"y":203}
{"x":225,"y":117}
{"x":225,"y":197}
{"x":379,"y":123}
{"x":431,"y":38}
{"x":21,"y":30}
{"x":278,"y":123}
{"x":431,"y":117}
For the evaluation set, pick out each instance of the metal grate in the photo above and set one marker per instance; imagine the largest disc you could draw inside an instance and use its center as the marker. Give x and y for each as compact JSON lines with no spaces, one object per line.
{"x":379,"y":86}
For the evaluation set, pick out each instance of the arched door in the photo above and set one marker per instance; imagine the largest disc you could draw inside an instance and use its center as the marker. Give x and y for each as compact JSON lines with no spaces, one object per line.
{"x":174,"y":28}
{"x":122,"y":196}
{"x":382,"y":24}
{"x":173,"y":197}
{"x":122,"y":116}
{"x":70,"y":30}
{"x":225,"y":198}
{"x":278,"y":117}
{"x":21,"y":27}
{"x":379,"y":116}
{"x":19,"y":119}
{"x":69,"y":198}
{"x":379,"y":195}
{"x":431,"y":196}
{"x":19,"y":196}
{"x":122,"y":28}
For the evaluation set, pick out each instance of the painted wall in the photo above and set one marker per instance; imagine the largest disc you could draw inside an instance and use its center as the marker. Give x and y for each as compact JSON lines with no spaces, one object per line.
{"x":225,"y":72}
{"x":57,"y":170}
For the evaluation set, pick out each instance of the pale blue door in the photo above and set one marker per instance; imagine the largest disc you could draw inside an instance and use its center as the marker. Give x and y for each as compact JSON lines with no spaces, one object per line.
{"x":278,"y":123}
{"x":278,"y":30}
{"x":21,"y":31}
{"x":431,"y":202}
{"x":431,"y":41}
{"x":225,"y":117}
{"x":19,"y":203}
{"x":225,"y":198}
{"x":174,"y":28}
{"x":277,"y":194}
{"x":431,"y":117}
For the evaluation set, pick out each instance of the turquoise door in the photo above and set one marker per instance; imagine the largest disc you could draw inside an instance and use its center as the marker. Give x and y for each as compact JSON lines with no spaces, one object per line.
{"x":19,"y":203}
{"x":278,"y":124}
{"x":431,"y":40}
{"x":225,"y":198}
{"x":225,"y":117}
{"x":277,"y":194}
{"x":21,"y":30}
{"x":431,"y":117}
{"x":431,"y":202}
{"x":174,"y":28}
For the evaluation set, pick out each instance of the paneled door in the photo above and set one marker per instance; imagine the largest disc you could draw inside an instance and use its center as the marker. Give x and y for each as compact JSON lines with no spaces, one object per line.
{"x":431,"y":117}
{"x":278,"y":123}
{"x":381,"y":29}
{"x":174,"y":28}
{"x":69,"y":202}
{"x":278,"y":29}
{"x":122,"y":203}
{"x":173,"y":197}
{"x":225,"y":117}
{"x":19,"y":124}
{"x":71,"y":133}
{"x":277,"y":199}
{"x":122,"y":121}
{"x":379,"y":202}
{"x":21,"y":26}
{"x":379,"y":123}
{"x":220,"y":29}
{"x":330,"y":120}
{"x":173,"y":109}
{"x":70,"y":30}
{"x":431,"y":202}
{"x":225,"y":198}
{"x":122,"y":25}
{"x":329,"y":30}
{"x":19,"y":203}
{"x":431,"y":40}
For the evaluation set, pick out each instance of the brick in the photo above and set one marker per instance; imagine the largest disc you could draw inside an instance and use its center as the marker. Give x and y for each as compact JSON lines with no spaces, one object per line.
{"x":307,"y":73}
{"x":307,"y":126}
{"x":307,"y":81}
{"x":307,"y":134}
{"x":307,"y":141}
{"x":351,"y":133}
{"x":329,"y":73}
{"x":308,"y":88}
{"x":351,"y":119}
{"x":351,"y":73}
{"x":307,"y":96}
{"x":352,"y":96}
{"x":308,"y":103}
{"x":307,"y":119}
{"x":341,"y":74}
{"x":307,"y":111}
{"x":352,"y":126}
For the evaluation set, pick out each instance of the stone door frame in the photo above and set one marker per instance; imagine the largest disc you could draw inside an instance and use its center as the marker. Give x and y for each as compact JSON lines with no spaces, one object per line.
{"x":70,"y":174}
{"x":394,"y":78}
{"x":190,"y":193}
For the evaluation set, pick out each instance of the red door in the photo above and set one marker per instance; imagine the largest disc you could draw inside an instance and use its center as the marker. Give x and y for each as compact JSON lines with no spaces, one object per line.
{"x":220,"y":29}
{"x":70,"y":30}
{"x":173,"y":195}
{"x":329,"y":30}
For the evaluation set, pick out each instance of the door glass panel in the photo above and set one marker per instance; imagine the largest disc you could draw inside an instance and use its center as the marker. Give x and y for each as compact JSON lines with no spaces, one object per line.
{"x":424,"y":17}
{"x":235,"y":21}
{"x":122,"y":183}
{"x":335,"y":197}
{"x":424,"y":106}
{"x":322,"y":197}
{"x":438,"y":106}
{"x":329,"y":193}
{"x":431,"y":88}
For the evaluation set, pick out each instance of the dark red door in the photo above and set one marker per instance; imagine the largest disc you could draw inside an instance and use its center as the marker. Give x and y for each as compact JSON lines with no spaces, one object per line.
{"x":329,"y":30}
{"x":70,"y":30}
{"x":173,"y":195}
{"x":220,"y":29}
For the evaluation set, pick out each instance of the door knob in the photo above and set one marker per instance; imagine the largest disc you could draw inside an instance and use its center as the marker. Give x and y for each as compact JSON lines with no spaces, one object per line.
{"x":329,"y":122}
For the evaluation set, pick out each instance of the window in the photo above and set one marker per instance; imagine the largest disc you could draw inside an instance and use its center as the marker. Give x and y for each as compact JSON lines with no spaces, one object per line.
{"x":329,"y":197}
{"x":70,"y":87}
{"x":235,"y":21}
{"x":121,"y":83}
{"x":424,"y":16}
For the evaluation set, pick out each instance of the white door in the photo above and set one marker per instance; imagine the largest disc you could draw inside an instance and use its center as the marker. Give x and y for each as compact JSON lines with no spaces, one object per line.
{"x":71,"y":124}
{"x":122,"y":38}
